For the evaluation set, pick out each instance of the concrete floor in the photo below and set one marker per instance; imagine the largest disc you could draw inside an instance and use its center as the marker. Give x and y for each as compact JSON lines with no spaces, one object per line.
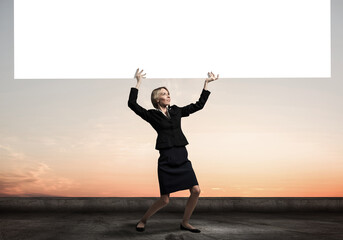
{"x":165,"y":225}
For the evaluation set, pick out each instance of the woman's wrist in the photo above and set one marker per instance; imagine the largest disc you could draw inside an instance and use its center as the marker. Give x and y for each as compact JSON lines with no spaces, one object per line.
{"x":205,"y":84}
{"x":137,"y":85}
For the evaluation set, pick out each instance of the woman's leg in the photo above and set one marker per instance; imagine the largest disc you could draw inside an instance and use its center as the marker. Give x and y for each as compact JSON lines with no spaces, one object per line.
{"x":160,"y":203}
{"x":191,"y":203}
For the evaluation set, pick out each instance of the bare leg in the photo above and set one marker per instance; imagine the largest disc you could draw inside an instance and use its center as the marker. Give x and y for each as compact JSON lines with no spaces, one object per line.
{"x":160,"y":203}
{"x":191,"y":203}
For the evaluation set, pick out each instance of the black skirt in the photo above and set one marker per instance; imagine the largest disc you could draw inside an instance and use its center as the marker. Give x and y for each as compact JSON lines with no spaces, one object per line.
{"x":175,"y":171}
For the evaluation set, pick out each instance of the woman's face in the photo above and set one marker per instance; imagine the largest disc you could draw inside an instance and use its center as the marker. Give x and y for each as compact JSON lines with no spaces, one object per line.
{"x":164,"y":98}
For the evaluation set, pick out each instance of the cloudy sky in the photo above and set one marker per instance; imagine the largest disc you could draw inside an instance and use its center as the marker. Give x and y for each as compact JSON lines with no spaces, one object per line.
{"x":254,"y":138}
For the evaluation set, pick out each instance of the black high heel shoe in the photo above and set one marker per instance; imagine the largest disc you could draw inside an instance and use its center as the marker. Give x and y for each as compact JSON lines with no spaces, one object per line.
{"x":140,"y":229}
{"x":195,"y":230}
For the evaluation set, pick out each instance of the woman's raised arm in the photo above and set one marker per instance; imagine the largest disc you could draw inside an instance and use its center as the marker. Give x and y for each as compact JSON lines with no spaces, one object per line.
{"x":132,"y":102}
{"x":193,"y":107}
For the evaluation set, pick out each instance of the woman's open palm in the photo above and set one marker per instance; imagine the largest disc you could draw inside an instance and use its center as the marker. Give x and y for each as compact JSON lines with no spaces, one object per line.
{"x":211,"y":77}
{"x":139,"y":76}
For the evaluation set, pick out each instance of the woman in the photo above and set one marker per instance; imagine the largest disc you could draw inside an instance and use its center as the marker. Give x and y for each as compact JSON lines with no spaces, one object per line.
{"x":175,"y":171}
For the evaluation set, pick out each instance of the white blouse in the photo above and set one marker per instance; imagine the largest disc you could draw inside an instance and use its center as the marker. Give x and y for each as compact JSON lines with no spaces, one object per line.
{"x":167,"y":115}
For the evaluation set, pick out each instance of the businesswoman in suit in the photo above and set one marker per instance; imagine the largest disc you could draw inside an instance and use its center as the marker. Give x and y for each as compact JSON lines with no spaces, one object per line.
{"x":175,"y":170}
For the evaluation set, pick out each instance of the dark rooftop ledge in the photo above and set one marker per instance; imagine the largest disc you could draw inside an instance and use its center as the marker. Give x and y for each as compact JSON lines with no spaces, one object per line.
{"x":176,"y":204}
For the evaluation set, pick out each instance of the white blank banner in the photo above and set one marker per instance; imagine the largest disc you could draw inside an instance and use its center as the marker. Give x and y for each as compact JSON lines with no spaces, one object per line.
{"x":171,"y":39}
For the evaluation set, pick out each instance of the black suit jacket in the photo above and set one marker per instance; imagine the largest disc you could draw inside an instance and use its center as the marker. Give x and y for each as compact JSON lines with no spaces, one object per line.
{"x":169,"y":130}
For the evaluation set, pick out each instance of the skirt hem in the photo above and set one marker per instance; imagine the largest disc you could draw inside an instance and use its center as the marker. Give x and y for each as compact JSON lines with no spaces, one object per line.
{"x":179,"y":189}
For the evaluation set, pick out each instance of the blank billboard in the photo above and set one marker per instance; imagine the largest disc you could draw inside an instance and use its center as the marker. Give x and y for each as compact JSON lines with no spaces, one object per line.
{"x":171,"y":39}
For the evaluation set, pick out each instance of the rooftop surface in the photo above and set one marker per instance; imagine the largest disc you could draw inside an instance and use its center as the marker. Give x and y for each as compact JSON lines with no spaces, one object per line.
{"x":165,"y":225}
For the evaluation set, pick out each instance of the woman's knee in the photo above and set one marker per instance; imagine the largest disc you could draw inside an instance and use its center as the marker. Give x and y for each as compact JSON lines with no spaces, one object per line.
{"x":165,"y":198}
{"x":195,"y":190}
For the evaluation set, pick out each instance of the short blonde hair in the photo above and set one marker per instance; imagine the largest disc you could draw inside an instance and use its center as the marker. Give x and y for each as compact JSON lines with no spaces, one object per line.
{"x":155,"y":94}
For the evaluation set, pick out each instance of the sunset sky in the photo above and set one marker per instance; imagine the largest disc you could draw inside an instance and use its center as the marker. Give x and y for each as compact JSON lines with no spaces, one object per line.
{"x":254,"y":137}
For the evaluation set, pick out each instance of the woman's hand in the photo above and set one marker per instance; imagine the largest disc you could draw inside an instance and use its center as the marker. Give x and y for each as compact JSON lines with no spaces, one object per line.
{"x":139,"y":76}
{"x":211,"y":77}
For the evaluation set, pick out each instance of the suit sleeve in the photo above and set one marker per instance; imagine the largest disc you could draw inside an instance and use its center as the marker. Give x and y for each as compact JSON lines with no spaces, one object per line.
{"x":134,"y":106}
{"x":193,"y":107}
